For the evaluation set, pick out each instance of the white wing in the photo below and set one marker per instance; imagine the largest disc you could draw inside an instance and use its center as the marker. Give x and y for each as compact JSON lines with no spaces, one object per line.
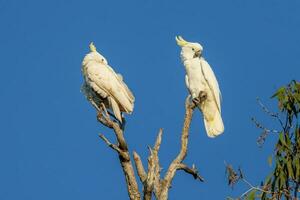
{"x":108,"y":84}
{"x":212,"y":110}
{"x":115,"y":108}
{"x":187,"y":82}
{"x":90,"y":93}
{"x":211,"y":81}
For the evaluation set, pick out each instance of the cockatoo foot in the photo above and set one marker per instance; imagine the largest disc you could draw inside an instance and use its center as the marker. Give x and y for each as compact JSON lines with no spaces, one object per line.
{"x":201,"y":98}
{"x":196,"y":100}
{"x":104,"y":110}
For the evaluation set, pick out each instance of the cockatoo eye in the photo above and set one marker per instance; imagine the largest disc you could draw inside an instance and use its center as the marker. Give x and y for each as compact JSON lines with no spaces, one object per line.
{"x":193,"y":49}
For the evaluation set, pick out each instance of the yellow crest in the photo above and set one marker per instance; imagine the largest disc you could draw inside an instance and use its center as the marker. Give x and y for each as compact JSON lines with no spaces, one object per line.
{"x":92,"y":47}
{"x":180,"y":41}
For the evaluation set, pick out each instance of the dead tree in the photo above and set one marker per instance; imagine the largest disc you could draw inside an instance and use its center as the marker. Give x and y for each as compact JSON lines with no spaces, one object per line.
{"x":152,"y":180}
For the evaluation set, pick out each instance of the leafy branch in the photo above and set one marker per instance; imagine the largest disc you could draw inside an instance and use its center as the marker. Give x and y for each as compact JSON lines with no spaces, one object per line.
{"x":284,"y":180}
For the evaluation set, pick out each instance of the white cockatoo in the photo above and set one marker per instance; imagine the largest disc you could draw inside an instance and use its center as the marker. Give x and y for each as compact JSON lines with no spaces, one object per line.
{"x":202,"y":85}
{"x":104,"y":85}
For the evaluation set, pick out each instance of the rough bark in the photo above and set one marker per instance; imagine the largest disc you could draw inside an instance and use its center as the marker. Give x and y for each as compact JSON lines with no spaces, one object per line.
{"x":124,"y":157}
{"x":151,"y":179}
{"x":175,"y":165}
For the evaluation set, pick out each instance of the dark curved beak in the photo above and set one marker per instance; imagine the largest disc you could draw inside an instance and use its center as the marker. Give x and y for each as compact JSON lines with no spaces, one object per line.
{"x":197,"y":54}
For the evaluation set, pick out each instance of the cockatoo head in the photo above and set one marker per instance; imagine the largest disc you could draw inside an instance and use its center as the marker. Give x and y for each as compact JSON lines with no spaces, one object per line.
{"x":94,"y":56}
{"x":189,"y":50}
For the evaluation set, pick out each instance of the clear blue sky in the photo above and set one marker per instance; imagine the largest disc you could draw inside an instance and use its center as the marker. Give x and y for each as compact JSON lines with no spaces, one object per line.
{"x":49,"y":145}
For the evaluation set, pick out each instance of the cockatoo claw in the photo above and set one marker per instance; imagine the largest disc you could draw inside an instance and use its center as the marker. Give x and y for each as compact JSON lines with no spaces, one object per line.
{"x":196,"y":100}
{"x":201,"y":98}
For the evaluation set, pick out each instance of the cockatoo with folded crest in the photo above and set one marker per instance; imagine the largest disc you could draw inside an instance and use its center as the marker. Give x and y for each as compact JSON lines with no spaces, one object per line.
{"x":104,"y":85}
{"x":202,"y":85}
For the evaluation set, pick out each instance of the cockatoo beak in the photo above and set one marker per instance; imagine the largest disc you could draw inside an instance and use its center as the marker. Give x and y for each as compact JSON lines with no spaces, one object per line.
{"x":197,"y":54}
{"x":180,"y":41}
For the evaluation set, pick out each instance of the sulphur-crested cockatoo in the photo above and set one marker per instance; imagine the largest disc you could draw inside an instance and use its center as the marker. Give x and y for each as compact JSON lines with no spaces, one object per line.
{"x":104,"y":85}
{"x":202,"y":85}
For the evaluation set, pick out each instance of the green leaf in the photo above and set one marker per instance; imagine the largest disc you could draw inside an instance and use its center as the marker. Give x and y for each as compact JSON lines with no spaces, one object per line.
{"x":268,"y":179}
{"x":278,"y":92}
{"x":297,"y":97}
{"x":274,"y":183}
{"x":277,"y":169}
{"x":282,"y":180}
{"x":281,"y":139}
{"x":288,"y":142}
{"x":288,"y":107}
{"x":297,"y":166}
{"x":251,"y":195}
{"x":290,"y":169}
{"x":263,"y":196}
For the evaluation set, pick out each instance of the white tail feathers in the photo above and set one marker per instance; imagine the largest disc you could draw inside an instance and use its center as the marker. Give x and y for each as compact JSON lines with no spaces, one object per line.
{"x":115,"y":108}
{"x":215,"y":126}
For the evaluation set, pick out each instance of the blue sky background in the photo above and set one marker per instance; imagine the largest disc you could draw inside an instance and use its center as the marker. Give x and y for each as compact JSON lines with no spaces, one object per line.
{"x":49,"y":146}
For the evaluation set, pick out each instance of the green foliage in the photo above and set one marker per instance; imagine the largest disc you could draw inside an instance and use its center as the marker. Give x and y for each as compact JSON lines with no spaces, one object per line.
{"x":284,"y":181}
{"x":285,"y":178}
{"x":289,"y":98}
{"x":251,"y":195}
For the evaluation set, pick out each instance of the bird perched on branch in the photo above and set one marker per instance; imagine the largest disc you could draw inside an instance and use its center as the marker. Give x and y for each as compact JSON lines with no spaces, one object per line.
{"x":202,"y":85}
{"x":103,"y":86}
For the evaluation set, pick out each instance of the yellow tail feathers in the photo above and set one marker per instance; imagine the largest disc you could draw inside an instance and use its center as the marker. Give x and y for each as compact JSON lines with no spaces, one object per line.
{"x":215,"y":126}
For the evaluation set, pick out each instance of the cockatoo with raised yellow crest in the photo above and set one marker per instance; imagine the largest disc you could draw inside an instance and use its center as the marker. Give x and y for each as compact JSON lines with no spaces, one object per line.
{"x":202,"y":85}
{"x":104,"y":85}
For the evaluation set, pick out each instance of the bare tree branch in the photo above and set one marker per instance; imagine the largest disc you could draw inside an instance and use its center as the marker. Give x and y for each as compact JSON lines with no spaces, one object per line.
{"x":265,"y":132}
{"x":152,"y":183}
{"x":113,"y":146}
{"x":251,"y":188}
{"x":193,"y":171}
{"x":166,"y":183}
{"x":139,"y":167}
{"x":151,"y":180}
{"x":234,"y":177}
{"x":148,"y":185}
{"x":266,"y":110}
{"x":260,"y":126}
{"x":122,"y":150}
{"x":120,"y":137}
{"x":158,"y":140}
{"x":270,"y":113}
{"x":104,"y":120}
{"x":157,"y":169}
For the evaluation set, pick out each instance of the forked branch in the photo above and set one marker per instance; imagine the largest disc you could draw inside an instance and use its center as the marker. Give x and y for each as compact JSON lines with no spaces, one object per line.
{"x":151,"y":179}
{"x":122,"y":149}
{"x":176,"y":163}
